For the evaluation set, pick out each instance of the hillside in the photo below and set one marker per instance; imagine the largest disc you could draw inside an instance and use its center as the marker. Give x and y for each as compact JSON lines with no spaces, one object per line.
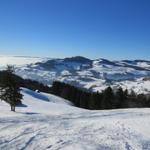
{"x":95,"y":75}
{"x":45,"y":121}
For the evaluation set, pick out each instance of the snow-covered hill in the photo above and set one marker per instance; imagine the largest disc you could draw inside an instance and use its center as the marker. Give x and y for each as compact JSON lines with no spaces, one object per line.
{"x":90,"y":74}
{"x":47,"y":122}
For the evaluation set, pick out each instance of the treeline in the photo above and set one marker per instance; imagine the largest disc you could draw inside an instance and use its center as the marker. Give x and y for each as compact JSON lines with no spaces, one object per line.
{"x":26,"y":83}
{"x":107,"y":99}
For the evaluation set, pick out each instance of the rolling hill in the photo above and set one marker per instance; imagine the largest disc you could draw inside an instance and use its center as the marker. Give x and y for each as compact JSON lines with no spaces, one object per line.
{"x":90,"y":74}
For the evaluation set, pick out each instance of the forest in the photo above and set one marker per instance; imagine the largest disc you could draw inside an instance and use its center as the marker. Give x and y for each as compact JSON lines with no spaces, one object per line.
{"x":107,"y":99}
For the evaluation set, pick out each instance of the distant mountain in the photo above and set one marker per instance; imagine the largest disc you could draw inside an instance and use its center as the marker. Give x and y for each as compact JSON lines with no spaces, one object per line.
{"x":78,"y":59}
{"x":83,"y":72}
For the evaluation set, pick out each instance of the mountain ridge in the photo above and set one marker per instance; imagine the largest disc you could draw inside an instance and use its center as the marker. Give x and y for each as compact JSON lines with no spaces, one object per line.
{"x":84,"y":72}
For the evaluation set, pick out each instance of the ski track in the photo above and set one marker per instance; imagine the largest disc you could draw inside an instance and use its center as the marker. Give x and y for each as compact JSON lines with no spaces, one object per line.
{"x":58,"y":132}
{"x":64,"y":127}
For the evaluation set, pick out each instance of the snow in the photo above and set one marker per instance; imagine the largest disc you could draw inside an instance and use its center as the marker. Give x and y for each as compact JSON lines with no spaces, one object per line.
{"x":47,"y":122}
{"x":96,"y":75}
{"x":143,"y":64}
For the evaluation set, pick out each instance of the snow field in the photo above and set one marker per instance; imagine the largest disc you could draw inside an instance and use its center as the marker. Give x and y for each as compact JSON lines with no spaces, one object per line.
{"x":49,"y":122}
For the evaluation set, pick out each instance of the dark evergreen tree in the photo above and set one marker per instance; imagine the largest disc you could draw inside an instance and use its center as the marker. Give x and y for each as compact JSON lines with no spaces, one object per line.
{"x":98,"y":100}
{"x":120,"y":97}
{"x":124,"y":103}
{"x":82,"y":100}
{"x":92,"y":102}
{"x":108,"y":98}
{"x":10,"y":91}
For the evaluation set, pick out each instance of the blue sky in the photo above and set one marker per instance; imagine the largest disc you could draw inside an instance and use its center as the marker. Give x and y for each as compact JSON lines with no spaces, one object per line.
{"x":113,"y":29}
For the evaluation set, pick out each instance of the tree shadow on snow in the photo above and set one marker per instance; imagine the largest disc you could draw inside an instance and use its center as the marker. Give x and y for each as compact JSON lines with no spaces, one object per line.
{"x":37,"y":95}
{"x":22,"y":105}
{"x":29,"y":113}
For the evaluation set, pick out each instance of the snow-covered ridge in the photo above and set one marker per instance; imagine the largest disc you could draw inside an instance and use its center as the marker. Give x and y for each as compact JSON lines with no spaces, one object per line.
{"x":79,"y":71}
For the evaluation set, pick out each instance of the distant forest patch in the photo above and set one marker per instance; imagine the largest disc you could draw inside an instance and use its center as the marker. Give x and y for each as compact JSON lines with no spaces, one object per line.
{"x":107,"y":99}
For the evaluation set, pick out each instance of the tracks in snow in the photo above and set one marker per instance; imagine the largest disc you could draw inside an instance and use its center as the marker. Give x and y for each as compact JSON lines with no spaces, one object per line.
{"x":94,"y":130}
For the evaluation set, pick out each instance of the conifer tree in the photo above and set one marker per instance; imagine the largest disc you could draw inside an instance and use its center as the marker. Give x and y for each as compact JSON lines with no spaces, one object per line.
{"x":10,"y":91}
{"x":120,"y":97}
{"x":108,"y":98}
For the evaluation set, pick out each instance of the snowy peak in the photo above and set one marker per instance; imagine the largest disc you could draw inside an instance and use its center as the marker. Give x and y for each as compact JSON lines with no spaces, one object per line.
{"x":73,"y":63}
{"x":78,"y":59}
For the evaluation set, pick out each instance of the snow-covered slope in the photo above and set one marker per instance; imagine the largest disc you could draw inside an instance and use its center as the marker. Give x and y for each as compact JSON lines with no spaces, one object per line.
{"x":49,"y":122}
{"x":36,"y":103}
{"x":79,"y":71}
